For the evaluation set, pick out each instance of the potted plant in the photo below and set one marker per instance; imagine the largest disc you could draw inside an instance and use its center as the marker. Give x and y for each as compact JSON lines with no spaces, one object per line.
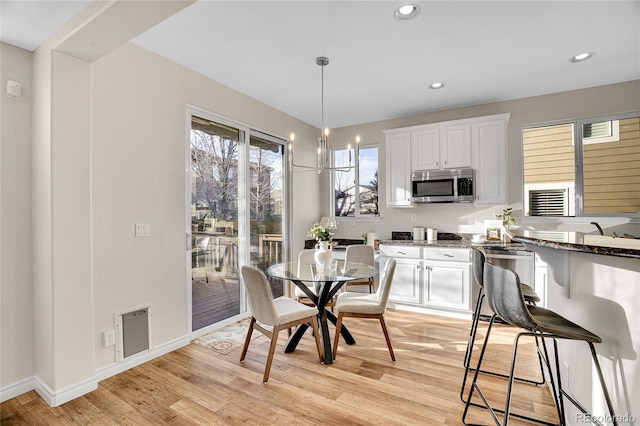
{"x":507,"y":218}
{"x":323,"y":255}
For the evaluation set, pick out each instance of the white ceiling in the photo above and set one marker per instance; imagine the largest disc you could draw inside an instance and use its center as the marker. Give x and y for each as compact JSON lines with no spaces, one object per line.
{"x":381,"y":68}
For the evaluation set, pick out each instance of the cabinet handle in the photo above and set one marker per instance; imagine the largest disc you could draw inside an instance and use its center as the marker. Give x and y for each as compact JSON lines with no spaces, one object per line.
{"x":401,"y":252}
{"x":448,"y":255}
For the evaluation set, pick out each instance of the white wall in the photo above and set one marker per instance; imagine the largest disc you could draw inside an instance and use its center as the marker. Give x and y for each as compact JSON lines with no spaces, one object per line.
{"x":138,"y":175}
{"x":616,"y":98}
{"x":16,"y":295}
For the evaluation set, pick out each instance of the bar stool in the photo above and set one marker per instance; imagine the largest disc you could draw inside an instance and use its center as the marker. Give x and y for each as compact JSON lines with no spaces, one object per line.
{"x":505,"y":297}
{"x":478,"y":259}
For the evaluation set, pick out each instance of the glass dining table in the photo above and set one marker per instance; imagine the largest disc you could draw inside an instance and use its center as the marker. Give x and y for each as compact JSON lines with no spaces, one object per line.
{"x":320,"y":289}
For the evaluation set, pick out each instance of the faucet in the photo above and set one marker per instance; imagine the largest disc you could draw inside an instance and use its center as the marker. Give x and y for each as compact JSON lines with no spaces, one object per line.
{"x":598,"y":226}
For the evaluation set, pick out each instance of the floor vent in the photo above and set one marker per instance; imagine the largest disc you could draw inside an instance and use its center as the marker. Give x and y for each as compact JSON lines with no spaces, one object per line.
{"x":134,"y":334}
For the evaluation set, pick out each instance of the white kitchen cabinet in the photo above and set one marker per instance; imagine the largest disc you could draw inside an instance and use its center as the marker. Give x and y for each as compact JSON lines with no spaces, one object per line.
{"x":447,"y":285}
{"x":479,"y":142}
{"x":407,"y":281}
{"x":447,"y":278}
{"x":436,"y":277}
{"x":437,"y":147}
{"x":455,"y":146}
{"x":425,"y":149}
{"x":489,"y":152}
{"x":398,"y":170}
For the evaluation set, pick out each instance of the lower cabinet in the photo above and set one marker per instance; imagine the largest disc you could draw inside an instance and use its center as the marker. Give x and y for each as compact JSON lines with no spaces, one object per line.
{"x":407,"y":281}
{"x":439,"y":278}
{"x":447,"y":285}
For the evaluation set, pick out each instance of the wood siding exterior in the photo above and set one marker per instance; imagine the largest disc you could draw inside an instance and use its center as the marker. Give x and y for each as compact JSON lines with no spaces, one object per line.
{"x":548,"y":154}
{"x":612,"y":172}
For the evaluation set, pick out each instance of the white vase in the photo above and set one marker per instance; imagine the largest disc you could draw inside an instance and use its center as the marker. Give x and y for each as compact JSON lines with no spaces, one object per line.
{"x":323,"y":257}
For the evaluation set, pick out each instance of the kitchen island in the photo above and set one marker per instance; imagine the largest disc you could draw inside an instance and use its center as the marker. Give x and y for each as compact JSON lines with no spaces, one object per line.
{"x":597,"y":287}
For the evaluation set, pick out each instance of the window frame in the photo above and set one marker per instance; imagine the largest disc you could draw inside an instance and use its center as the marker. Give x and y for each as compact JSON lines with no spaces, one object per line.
{"x":578,"y":143}
{"x":357,"y":215}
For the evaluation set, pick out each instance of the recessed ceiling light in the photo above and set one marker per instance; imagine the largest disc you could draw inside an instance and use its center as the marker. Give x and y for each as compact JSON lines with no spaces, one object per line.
{"x":406,"y":12}
{"x":582,"y":57}
{"x":436,"y":85}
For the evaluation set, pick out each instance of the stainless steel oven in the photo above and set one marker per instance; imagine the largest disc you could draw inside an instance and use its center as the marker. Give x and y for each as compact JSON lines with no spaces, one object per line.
{"x":520,"y":261}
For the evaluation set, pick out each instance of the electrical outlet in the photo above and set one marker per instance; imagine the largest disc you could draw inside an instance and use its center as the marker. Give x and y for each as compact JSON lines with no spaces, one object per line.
{"x":352,"y":224}
{"x":108,"y":338}
{"x":143,"y":229}
{"x":414,"y":217}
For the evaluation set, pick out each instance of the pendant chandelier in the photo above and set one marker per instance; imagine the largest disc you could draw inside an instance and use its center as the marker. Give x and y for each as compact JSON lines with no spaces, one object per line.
{"x":323,"y":140}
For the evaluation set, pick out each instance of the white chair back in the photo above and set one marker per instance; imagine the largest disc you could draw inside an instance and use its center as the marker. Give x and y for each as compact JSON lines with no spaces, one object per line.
{"x":306,"y":264}
{"x":386,"y":278}
{"x":260,"y":295}
{"x":360,"y":254}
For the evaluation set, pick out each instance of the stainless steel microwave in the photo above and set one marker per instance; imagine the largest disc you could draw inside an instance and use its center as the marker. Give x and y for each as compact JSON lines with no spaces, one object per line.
{"x":442,"y":186}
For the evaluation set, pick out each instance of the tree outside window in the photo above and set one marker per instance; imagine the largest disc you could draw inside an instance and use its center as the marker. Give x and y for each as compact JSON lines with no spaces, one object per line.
{"x":351,"y":199}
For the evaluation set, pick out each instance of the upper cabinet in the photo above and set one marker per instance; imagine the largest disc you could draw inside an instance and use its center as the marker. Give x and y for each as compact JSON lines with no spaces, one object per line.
{"x":398,"y":174}
{"x":489,"y":153}
{"x":436,"y":147}
{"x":478,"y":142}
{"x":455,"y":146}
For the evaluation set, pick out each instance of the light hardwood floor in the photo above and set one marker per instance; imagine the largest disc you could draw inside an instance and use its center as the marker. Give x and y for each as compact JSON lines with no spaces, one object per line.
{"x":194,"y":385}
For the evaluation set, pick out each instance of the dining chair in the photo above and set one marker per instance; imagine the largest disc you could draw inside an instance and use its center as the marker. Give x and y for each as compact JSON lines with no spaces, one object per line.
{"x":306,"y":270}
{"x":202,"y":250}
{"x":279,"y":314}
{"x":360,"y":254}
{"x":363,"y":305}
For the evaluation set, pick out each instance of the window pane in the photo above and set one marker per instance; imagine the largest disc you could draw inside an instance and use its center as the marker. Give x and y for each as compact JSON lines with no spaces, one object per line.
{"x":611,"y":178}
{"x":368,"y":173}
{"x":344,"y":185}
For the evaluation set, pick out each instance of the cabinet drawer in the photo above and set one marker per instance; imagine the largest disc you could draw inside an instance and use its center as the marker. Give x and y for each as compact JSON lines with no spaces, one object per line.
{"x":448,"y":254}
{"x":401,"y":251}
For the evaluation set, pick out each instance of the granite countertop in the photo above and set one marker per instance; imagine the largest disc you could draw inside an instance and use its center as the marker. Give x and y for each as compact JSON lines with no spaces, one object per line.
{"x":570,"y":241}
{"x":448,"y":240}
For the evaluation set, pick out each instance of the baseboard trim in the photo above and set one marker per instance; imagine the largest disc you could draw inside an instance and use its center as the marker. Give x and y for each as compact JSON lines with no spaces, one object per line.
{"x":58,"y":397}
{"x":17,"y":388}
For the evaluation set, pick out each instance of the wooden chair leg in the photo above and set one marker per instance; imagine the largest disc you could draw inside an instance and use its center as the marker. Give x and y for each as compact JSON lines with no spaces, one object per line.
{"x":337,"y":339}
{"x":272,"y":350}
{"x":386,"y":336}
{"x":247,"y":340}
{"x":316,"y":334}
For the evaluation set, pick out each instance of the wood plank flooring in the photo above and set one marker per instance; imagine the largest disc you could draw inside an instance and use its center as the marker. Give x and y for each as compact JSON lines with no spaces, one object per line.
{"x":197,"y":386}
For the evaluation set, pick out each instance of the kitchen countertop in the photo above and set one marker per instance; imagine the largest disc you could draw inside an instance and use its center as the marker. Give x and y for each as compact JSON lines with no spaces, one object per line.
{"x":462,"y":243}
{"x":569,"y":241}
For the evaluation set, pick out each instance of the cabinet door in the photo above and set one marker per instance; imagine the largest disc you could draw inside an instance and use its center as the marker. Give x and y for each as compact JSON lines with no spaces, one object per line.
{"x":425,"y":149}
{"x":489,"y":161}
{"x":406,"y":281}
{"x":455,"y":146}
{"x":398,"y":164}
{"x":448,"y":285}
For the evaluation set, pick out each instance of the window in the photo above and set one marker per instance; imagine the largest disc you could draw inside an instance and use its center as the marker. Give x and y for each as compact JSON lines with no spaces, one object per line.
{"x":583,"y":168}
{"x":351,"y":199}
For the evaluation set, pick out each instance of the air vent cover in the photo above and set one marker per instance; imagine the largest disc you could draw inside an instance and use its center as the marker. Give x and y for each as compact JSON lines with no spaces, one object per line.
{"x":551,"y":202}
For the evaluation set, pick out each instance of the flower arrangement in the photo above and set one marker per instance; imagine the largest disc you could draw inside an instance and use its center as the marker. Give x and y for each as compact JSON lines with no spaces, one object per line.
{"x":322,"y":233}
{"x":506,"y":218}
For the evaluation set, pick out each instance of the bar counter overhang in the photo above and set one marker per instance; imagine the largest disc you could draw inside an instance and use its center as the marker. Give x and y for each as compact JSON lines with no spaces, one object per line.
{"x":597,"y":287}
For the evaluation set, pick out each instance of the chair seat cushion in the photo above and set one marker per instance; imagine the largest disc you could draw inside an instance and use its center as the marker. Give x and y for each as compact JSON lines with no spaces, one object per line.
{"x":529,"y":294}
{"x":550,"y":322}
{"x":359,"y":303}
{"x":290,"y":310}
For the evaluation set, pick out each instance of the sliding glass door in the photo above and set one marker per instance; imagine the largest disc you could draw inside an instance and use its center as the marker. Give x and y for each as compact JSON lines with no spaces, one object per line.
{"x":236,"y":208}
